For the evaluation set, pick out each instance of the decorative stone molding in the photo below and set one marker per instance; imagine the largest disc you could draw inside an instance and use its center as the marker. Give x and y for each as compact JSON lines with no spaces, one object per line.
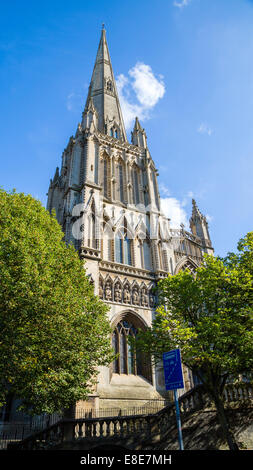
{"x":186,"y":263}
{"x":125,"y":292}
{"x":91,"y":253}
{"x":127,"y":270}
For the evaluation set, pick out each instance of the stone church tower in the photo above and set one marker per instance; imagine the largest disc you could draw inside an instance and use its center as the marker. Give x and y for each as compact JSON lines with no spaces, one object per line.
{"x":106,"y":198}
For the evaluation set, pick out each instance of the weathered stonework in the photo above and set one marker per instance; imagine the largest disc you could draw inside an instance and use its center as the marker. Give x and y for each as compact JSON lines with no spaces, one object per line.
{"x":107,"y":200}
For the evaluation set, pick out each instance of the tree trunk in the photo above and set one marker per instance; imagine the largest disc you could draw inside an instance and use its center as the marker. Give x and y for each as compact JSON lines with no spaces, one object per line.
{"x":228,"y":435}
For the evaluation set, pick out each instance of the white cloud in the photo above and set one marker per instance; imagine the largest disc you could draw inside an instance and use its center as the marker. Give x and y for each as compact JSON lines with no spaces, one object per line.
{"x":139,"y":92}
{"x":147,"y":87}
{"x":129,"y":110}
{"x":181,"y":3}
{"x":164,"y":190}
{"x":205,"y":129}
{"x":173,"y":209}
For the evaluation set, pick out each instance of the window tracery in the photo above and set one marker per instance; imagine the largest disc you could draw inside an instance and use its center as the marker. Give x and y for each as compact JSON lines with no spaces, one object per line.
{"x":129,"y":361}
{"x":123,"y":246}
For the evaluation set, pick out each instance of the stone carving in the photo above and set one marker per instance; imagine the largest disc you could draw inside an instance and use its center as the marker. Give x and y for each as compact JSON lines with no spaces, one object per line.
{"x":117,"y":292}
{"x":100,"y":289}
{"x":136,"y":297}
{"x":127,"y":295}
{"x":108,"y":291}
{"x":144,"y":297}
{"x":134,"y":294}
{"x":151,"y":300}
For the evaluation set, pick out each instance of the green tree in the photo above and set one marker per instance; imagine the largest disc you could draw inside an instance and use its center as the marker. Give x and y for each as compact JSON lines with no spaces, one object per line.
{"x":209,"y":317}
{"x":54,"y":331}
{"x":243,"y":259}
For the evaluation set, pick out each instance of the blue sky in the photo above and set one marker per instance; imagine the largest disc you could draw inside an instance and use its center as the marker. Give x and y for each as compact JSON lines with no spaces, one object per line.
{"x":185,"y":65}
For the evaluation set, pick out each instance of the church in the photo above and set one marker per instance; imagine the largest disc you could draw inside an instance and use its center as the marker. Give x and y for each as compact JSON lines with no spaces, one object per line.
{"x":106,"y":198}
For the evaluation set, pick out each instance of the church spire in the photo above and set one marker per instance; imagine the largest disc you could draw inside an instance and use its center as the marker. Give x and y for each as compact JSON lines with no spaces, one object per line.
{"x":104,"y":95}
{"x":199,"y":227}
{"x":139,"y":137}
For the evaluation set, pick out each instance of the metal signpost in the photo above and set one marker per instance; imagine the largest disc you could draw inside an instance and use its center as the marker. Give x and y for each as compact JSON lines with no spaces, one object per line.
{"x":173,"y":375}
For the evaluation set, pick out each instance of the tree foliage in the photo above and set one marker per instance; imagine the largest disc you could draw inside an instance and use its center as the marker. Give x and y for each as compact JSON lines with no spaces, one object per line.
{"x":54,"y":331}
{"x":209,"y":317}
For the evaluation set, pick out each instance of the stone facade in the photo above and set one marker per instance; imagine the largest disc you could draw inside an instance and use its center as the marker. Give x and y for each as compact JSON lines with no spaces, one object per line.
{"x":106,"y":198}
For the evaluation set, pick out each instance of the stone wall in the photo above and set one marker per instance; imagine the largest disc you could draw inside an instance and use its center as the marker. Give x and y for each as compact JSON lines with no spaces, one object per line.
{"x":201,"y":430}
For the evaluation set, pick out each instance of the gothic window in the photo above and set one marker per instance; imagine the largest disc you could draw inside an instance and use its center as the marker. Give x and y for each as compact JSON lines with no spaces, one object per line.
{"x":96,"y":166}
{"x":116,"y":134}
{"x":118,"y":249}
{"x":106,"y":177}
{"x":76,"y":162}
{"x":155,"y":189}
{"x":109,"y":85}
{"x":123,"y":250}
{"x":161,"y":252}
{"x":199,"y":230}
{"x":127,"y":251}
{"x":145,"y":192}
{"x":121,"y":182}
{"x":146,"y":198}
{"x":111,"y":132}
{"x":135,"y":178}
{"x":123,"y":247}
{"x":147,"y":261}
{"x":92,"y":242}
{"x":127,"y":362}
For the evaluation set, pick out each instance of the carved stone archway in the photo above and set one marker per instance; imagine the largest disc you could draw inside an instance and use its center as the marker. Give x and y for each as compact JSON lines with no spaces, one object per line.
{"x":129,"y":361}
{"x":186,"y":263}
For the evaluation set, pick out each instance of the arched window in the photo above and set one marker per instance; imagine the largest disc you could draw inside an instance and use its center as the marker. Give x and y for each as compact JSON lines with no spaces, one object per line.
{"x":123,"y":246}
{"x":116,"y":134}
{"x":161,"y":257}
{"x":109,"y":85}
{"x":147,"y":259}
{"x":76,"y":162}
{"x":155,"y":189}
{"x":118,"y":248}
{"x":127,"y":251}
{"x":121,"y":182}
{"x":92,"y":242}
{"x":135,"y":178}
{"x":129,"y":361}
{"x":106,"y":180}
{"x":111,"y":132}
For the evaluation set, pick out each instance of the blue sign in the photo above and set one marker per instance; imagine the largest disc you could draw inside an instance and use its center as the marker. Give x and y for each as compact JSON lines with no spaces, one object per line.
{"x":173,"y":373}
